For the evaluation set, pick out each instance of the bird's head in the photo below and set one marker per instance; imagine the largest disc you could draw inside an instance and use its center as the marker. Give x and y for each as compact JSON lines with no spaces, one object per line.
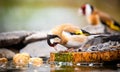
{"x":86,"y":9}
{"x":65,"y":33}
{"x":53,"y":40}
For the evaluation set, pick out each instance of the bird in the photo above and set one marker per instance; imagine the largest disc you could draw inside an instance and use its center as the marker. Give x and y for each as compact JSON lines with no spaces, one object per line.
{"x":68,"y":35}
{"x":96,"y":17}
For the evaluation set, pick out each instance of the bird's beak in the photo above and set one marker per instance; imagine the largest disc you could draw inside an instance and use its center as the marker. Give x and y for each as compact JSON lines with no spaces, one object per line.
{"x":48,"y":40}
{"x":53,"y":40}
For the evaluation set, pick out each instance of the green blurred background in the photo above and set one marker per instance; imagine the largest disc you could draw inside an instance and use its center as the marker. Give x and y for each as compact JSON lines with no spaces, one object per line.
{"x":44,"y":14}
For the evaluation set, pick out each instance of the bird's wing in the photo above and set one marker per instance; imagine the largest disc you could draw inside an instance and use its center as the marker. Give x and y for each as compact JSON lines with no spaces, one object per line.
{"x":101,"y":39}
{"x":109,"y":21}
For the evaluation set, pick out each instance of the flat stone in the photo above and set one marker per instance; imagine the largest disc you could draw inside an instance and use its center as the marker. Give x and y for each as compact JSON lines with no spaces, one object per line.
{"x":12,"y":38}
{"x":40,"y":49}
{"x":6,"y":53}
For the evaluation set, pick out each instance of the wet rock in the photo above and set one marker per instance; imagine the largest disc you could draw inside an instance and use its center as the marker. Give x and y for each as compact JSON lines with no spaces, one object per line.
{"x":37,"y":36}
{"x":92,"y":48}
{"x":6,"y":53}
{"x":92,"y":42}
{"x":36,"y":61}
{"x":99,"y":46}
{"x":21,"y":59}
{"x":12,"y":38}
{"x":45,"y":59}
{"x":102,"y":42}
{"x":107,"y":46}
{"x":41,"y":49}
{"x":3,"y":62}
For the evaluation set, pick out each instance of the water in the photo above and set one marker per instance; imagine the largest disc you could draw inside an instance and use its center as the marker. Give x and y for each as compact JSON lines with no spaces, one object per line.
{"x":65,"y":68}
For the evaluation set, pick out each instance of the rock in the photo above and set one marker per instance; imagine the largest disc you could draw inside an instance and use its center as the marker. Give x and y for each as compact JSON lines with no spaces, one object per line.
{"x":107,"y":46}
{"x":36,"y":61}
{"x":12,"y":38}
{"x":16,"y":40}
{"x":92,"y":48}
{"x":40,"y":49}
{"x":99,"y":40}
{"x":91,"y":42}
{"x":3,"y":62}
{"x":21,"y":59}
{"x":6,"y":53}
{"x":37,"y":36}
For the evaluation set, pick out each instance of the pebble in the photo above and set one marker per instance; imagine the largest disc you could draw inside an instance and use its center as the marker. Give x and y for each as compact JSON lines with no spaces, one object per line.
{"x":3,"y":62}
{"x":36,"y":61}
{"x":111,"y":45}
{"x":21,"y":59}
{"x":6,"y":53}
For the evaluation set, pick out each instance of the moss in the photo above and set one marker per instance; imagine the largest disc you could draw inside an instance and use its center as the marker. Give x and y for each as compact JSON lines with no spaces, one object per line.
{"x":63,"y":57}
{"x":81,"y":57}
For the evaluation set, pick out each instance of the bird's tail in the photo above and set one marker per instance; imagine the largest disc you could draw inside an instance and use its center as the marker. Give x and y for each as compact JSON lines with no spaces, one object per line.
{"x":117,"y":25}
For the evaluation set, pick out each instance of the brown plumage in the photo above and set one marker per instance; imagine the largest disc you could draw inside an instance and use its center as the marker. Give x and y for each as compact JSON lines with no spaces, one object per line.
{"x":69,"y":35}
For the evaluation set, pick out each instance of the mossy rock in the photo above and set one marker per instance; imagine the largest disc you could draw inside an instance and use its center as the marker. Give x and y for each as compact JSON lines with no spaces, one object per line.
{"x":80,"y":57}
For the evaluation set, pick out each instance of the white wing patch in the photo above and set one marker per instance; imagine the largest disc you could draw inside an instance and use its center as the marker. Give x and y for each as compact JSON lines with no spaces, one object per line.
{"x":67,"y":34}
{"x":73,"y":44}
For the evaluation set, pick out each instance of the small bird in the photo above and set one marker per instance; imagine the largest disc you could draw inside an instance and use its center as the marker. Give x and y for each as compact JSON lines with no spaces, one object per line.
{"x":68,"y":35}
{"x":96,"y":17}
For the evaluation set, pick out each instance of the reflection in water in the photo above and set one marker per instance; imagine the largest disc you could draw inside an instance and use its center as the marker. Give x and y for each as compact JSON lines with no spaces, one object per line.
{"x":49,"y":68}
{"x":85,"y":69}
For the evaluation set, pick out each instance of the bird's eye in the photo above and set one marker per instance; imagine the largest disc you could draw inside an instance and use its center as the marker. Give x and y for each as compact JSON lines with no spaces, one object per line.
{"x":72,"y":33}
{"x":75,"y":33}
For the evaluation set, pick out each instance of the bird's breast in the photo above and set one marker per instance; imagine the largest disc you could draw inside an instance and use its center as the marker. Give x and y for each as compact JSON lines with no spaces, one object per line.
{"x":76,"y":41}
{"x":93,"y":19}
{"x":73,"y":44}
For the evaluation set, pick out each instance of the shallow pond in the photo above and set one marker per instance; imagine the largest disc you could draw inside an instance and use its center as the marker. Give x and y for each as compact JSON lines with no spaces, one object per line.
{"x":67,"y":67}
